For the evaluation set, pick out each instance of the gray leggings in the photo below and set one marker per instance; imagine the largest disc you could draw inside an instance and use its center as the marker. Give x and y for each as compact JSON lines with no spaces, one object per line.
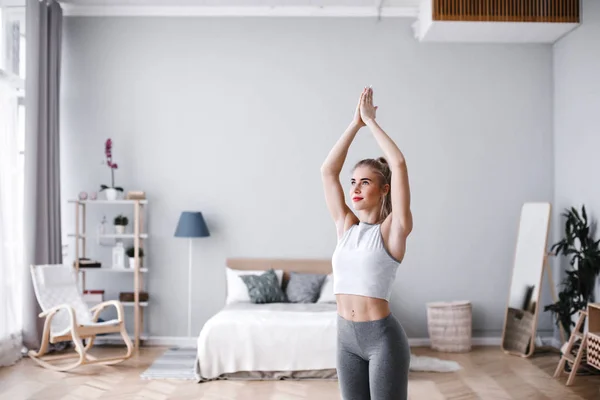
{"x":373,"y":358}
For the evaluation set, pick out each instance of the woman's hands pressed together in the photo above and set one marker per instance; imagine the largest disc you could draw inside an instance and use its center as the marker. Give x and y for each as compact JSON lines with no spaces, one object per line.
{"x":367,"y":110}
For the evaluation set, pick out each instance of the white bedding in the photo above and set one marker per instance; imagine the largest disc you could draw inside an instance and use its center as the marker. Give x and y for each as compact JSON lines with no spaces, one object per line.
{"x":268,"y":337}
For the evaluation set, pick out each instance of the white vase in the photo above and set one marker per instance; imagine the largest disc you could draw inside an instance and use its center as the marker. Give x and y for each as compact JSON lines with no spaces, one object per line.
{"x":118,"y":254}
{"x":120,"y":229}
{"x":111,"y":194}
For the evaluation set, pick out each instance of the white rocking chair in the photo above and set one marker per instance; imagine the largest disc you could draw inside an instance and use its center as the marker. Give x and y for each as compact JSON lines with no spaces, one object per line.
{"x":68,"y":318}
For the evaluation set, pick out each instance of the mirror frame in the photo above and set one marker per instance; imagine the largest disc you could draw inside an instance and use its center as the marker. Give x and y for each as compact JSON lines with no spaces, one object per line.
{"x":544,"y":269}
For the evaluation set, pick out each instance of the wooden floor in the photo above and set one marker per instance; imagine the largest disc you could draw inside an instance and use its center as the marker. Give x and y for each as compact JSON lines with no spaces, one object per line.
{"x":487,"y":374}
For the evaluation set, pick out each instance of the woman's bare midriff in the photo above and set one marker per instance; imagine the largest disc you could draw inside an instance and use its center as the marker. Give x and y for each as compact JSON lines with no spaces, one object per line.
{"x":361,"y":308}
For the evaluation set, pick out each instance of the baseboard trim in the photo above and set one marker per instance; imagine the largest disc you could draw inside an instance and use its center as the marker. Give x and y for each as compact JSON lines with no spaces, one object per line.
{"x":476,"y":341}
{"x":172,"y":341}
{"x":163,"y":341}
{"x":554,"y":342}
{"x":177,"y":341}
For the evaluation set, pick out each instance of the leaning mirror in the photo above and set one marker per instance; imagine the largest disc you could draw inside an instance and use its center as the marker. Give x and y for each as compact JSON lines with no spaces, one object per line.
{"x":520,"y":323}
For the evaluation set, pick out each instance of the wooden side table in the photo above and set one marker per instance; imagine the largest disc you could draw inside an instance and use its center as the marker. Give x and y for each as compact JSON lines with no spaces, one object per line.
{"x":593,"y":335}
{"x":590,"y":343}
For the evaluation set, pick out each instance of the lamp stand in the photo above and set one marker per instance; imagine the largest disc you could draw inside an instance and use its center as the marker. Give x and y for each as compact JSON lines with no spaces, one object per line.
{"x":189,"y":334}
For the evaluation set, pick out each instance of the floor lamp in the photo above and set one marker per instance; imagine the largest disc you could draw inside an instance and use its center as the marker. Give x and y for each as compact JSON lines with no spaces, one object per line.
{"x":191,"y":225}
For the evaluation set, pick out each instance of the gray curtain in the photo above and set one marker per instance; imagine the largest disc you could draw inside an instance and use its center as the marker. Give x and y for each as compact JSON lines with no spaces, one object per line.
{"x":42,"y":230}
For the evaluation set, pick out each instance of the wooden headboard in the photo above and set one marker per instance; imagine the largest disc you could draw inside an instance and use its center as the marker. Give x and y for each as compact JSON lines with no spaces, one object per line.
{"x":308,"y":265}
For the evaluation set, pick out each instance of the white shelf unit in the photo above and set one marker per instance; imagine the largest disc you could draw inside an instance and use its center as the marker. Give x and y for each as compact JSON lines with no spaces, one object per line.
{"x":125,"y":303}
{"x":137,"y":236}
{"x":116,"y":270}
{"x":111,"y":235}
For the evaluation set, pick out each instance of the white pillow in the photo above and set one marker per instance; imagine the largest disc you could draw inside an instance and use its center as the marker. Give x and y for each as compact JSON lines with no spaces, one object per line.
{"x":327,"y":295}
{"x":237,"y":291}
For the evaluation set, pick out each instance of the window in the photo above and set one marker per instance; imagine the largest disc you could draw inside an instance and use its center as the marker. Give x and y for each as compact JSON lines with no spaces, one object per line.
{"x":12,"y":41}
{"x":12,"y":77}
{"x":12,"y":66}
{"x":12,"y":167}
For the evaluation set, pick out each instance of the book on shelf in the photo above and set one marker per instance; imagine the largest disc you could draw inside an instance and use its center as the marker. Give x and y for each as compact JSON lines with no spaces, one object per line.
{"x":130,"y":296}
{"x":88,"y":263}
{"x":93,"y":296}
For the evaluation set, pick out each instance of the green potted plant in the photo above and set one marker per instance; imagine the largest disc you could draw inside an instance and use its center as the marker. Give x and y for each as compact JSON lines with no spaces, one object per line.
{"x":131,"y":254}
{"x":120,"y":222}
{"x":579,"y":284}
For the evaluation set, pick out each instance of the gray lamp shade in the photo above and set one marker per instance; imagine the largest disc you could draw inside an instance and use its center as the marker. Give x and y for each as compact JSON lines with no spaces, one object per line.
{"x":191,"y":224}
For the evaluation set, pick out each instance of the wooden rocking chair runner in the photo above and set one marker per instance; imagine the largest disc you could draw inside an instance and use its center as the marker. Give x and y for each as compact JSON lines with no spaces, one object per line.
{"x":68,"y":318}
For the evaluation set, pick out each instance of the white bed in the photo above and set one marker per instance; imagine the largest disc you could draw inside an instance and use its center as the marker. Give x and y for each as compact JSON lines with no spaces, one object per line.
{"x":278,"y":340}
{"x":269,"y":341}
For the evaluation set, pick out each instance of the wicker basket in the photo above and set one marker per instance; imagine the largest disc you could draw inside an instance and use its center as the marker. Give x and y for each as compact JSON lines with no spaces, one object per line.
{"x":449,"y":326}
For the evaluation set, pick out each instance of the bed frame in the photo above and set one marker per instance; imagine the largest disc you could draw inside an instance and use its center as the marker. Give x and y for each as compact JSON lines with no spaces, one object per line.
{"x":287,"y":265}
{"x":306,"y":265}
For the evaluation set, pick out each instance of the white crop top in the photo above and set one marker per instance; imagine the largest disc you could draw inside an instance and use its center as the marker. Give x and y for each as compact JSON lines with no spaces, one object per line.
{"x":362,"y":265}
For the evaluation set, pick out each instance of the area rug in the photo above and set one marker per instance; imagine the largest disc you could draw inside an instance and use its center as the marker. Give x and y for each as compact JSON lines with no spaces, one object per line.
{"x":432,"y":364}
{"x":175,"y":363}
{"x":179,"y":364}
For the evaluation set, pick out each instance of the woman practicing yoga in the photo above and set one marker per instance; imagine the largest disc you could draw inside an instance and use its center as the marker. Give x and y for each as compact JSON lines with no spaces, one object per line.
{"x":373,"y":355}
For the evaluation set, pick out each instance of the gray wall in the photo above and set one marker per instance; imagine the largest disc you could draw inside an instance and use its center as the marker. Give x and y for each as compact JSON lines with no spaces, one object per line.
{"x":233,"y":117}
{"x":577,"y":120}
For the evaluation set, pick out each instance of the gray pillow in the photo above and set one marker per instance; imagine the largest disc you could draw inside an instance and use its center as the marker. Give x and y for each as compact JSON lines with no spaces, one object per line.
{"x":264,"y":288}
{"x":304,"y":288}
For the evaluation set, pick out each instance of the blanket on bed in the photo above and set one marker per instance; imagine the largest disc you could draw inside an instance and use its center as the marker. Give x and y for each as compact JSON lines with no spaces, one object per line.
{"x":267,"y":337}
{"x":278,"y":340}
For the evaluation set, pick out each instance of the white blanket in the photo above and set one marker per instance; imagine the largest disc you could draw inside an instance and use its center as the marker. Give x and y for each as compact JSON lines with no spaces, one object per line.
{"x":268,"y":337}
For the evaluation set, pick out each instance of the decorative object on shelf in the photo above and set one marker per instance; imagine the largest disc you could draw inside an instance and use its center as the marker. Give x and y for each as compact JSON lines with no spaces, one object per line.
{"x":580,"y":281}
{"x":112,"y":190}
{"x":102,"y":226}
{"x":191,"y":225}
{"x":94,"y":196}
{"x":83,"y":195}
{"x":120,"y":223}
{"x":87,"y":263}
{"x":118,"y":256}
{"x":93,"y":296}
{"x":128,"y":297}
{"x":136,"y":195}
{"x":131,"y":254}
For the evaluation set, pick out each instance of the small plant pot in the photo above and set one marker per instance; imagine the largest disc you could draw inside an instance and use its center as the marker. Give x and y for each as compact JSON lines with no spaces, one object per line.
{"x":132,"y":262}
{"x":111,"y":194}
{"x":120,"y":229}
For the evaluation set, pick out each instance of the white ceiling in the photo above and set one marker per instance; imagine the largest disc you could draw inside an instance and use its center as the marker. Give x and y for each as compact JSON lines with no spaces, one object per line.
{"x":248,"y":3}
{"x":425,"y":29}
{"x":273,"y":8}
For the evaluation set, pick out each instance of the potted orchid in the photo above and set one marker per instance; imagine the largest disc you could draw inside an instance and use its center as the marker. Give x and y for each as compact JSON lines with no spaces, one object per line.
{"x":111,"y":191}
